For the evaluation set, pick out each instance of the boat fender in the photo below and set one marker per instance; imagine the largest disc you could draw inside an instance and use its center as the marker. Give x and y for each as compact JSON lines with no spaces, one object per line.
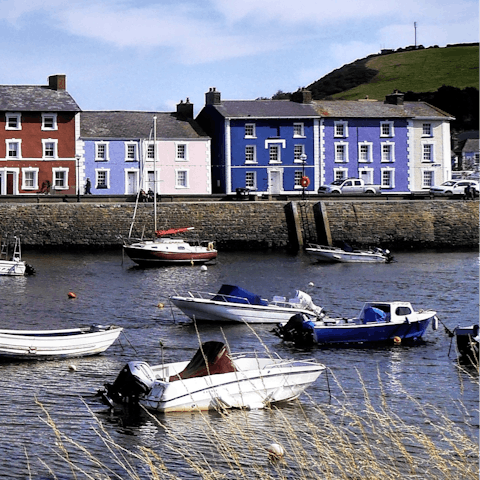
{"x":71,"y":295}
{"x":435,"y":323}
{"x":275,"y":451}
{"x":210,"y":246}
{"x":397,"y":340}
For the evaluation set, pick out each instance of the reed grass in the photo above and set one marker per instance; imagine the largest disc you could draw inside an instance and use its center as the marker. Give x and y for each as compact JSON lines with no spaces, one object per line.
{"x":343,"y":440}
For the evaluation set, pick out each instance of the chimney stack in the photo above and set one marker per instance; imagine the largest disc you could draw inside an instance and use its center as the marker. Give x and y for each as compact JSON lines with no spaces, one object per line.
{"x":185,"y":110}
{"x":57,"y":82}
{"x":302,"y":96}
{"x":212,"y":97}
{"x":395,"y":98}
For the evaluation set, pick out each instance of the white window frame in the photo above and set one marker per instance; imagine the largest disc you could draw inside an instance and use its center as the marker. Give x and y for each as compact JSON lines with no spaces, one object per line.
{"x":254,"y":180}
{"x":278,"y":149}
{"x":391,"y":131}
{"x":65,"y":171}
{"x":135,"y":151}
{"x":339,"y":123}
{"x":54,"y":122}
{"x":254,"y":132}
{"x":46,"y":141}
{"x":301,"y":127}
{"x":177,"y":178}
{"x":151,"y":150}
{"x":33,"y":170}
{"x":340,"y":170}
{"x":105,"y":171}
{"x":185,"y":151}
{"x":345,"y":151}
{"x":18,"y":142}
{"x":297,"y":179}
{"x":107,"y":151}
{"x":431,"y":173}
{"x":392,"y":177}
{"x":432,"y":152}
{"x":254,"y":156}
{"x":430,"y":130}
{"x":279,"y":144}
{"x":18,"y":118}
{"x":298,"y":156}
{"x":391,"y":146}
{"x":369,"y":152}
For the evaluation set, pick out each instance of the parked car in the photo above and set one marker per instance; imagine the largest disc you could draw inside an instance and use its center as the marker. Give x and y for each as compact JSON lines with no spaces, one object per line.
{"x":454,"y":187}
{"x":349,"y":185}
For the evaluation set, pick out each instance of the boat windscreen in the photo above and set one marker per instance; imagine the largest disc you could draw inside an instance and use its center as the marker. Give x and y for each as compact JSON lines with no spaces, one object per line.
{"x":373,"y":314}
{"x":234,"y":294}
{"x":211,"y":359}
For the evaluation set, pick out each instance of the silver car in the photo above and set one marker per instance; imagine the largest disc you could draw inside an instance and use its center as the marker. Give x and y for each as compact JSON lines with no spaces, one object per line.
{"x":454,"y":187}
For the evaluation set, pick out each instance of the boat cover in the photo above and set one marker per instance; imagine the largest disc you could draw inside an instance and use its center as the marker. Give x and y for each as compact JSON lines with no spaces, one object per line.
{"x":216,"y":356}
{"x":238,"y":295}
{"x":373,"y":314}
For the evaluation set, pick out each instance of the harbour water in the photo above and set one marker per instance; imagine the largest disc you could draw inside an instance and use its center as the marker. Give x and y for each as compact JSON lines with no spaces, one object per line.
{"x":110,"y":289}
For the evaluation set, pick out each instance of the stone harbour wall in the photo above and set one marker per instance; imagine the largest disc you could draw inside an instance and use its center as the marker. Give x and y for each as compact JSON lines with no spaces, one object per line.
{"x":240,"y":225}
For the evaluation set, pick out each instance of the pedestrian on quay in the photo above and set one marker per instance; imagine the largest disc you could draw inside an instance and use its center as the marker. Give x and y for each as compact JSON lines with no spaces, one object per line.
{"x":88,"y":186}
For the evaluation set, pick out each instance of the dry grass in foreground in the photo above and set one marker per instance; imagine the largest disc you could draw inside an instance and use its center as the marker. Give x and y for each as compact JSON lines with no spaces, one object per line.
{"x":345,"y":441}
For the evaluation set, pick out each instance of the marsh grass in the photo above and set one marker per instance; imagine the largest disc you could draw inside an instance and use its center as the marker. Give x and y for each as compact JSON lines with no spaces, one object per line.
{"x":341,"y":440}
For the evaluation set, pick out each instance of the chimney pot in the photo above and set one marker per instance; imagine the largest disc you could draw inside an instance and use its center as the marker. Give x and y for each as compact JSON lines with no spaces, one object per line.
{"x":57,"y":82}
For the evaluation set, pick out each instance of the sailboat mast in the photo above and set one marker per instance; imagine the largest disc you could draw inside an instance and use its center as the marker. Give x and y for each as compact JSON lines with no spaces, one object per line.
{"x":155,"y":173}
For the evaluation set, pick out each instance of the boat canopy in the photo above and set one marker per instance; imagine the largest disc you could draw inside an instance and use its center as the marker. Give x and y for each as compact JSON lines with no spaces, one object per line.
{"x":236,"y":294}
{"x":373,"y":314}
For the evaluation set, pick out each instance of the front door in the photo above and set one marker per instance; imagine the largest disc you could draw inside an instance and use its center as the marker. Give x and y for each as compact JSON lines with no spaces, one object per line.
{"x":275,"y":181}
{"x":10,"y":183}
{"x":131,"y":183}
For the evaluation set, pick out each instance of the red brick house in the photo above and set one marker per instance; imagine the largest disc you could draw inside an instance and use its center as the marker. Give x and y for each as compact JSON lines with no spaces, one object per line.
{"x":38,"y":131}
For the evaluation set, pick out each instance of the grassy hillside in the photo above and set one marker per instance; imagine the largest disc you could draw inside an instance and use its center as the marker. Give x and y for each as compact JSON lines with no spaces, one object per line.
{"x":422,"y":70}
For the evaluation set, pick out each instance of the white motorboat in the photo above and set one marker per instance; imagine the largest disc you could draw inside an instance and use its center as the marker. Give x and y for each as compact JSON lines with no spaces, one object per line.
{"x":235,"y":304}
{"x":213,"y":379}
{"x":11,"y":262}
{"x":168,"y":250}
{"x":47,"y":344}
{"x":378,"y":322}
{"x":324,"y":253}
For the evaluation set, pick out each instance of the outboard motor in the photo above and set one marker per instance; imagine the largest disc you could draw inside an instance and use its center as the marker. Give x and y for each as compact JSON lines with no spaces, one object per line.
{"x":134,"y":380}
{"x":298,"y":330}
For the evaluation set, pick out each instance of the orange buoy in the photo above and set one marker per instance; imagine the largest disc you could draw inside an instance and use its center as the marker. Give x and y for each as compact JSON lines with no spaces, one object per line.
{"x":397,"y":340}
{"x":71,"y":295}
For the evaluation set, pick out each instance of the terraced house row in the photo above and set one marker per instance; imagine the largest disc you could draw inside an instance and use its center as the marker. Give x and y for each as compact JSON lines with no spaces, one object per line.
{"x":265,"y":146}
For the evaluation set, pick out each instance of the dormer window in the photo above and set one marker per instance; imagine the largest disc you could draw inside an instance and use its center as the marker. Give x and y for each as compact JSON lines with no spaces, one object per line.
{"x":13,"y":121}
{"x":49,"y":121}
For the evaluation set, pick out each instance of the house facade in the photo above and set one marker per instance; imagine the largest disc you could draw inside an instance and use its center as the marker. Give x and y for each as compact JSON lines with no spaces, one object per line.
{"x":265,"y":146}
{"x":124,"y":152}
{"x":38,"y":129}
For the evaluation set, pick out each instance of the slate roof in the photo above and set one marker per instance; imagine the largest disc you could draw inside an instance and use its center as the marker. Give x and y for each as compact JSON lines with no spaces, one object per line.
{"x":24,"y":98}
{"x":471,"y":145}
{"x":133,"y":125}
{"x":375,"y":109}
{"x":264,"y":109}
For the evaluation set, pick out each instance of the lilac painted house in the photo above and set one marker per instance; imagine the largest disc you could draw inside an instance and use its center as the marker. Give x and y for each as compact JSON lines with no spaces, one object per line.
{"x":120,"y":157}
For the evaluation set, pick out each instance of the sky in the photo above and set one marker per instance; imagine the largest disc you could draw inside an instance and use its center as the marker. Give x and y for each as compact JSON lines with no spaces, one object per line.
{"x":151,"y":54}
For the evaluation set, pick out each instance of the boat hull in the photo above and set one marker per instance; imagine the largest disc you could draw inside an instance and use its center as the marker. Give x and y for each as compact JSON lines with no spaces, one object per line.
{"x":340,"y":256}
{"x":251,"y":388}
{"x":12,"y":268}
{"x":467,"y":344}
{"x":371,"y":333}
{"x":149,"y":257}
{"x":49,"y":344}
{"x":207,"y":310}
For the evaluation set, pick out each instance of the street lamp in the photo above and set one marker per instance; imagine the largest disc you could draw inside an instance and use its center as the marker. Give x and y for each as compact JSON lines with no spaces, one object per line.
{"x":303,"y":158}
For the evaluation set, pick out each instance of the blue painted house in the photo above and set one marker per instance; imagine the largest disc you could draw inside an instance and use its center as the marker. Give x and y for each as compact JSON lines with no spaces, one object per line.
{"x":269,"y":146}
{"x":265,"y":146}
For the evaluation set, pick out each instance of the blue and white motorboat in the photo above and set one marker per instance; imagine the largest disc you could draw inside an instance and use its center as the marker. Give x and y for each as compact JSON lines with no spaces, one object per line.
{"x":378,"y":322}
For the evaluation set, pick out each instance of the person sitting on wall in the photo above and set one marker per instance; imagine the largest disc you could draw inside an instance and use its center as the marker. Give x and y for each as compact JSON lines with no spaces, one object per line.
{"x":150,"y":195}
{"x":45,"y":188}
{"x":142,"y":196}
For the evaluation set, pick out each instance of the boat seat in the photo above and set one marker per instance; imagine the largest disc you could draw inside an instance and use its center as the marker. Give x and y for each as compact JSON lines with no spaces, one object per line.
{"x":214,"y":354}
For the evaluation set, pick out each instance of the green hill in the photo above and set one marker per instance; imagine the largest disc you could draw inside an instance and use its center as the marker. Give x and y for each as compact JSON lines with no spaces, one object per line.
{"x":407,"y":70}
